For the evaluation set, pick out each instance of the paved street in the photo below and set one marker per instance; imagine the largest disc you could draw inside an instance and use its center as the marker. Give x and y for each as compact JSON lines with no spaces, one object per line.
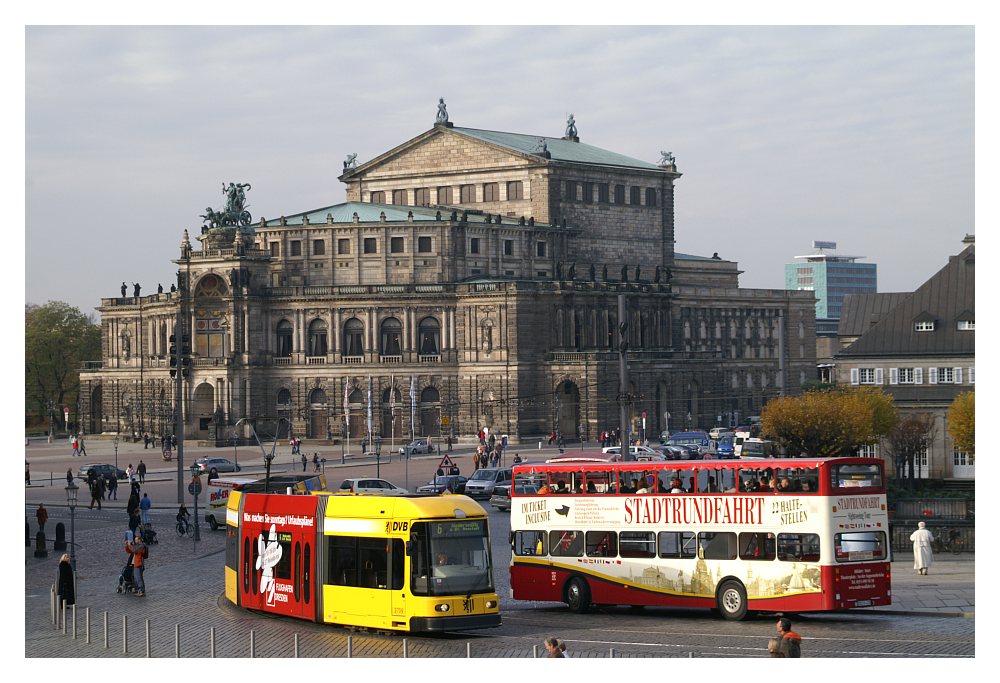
{"x":184,"y":580}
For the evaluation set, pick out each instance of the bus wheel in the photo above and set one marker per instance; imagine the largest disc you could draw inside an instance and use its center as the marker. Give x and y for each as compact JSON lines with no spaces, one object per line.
{"x":578,"y":595}
{"x":732,"y":600}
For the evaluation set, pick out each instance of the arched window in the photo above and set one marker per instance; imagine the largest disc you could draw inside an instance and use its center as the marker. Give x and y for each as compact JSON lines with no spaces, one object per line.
{"x":317,"y":338}
{"x":429,"y":337}
{"x":354,"y":337}
{"x":430,"y":395}
{"x":391,"y":336}
{"x":284,"y":339}
{"x":284,"y":399}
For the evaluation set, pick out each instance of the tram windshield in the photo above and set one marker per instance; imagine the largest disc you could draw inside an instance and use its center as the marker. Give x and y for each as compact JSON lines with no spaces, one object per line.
{"x":450,"y":558}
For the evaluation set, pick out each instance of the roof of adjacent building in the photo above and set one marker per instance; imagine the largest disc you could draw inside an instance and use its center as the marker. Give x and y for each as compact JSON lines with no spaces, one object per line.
{"x":369,"y":212}
{"x":947,"y":297}
{"x":862,"y":310}
{"x":558,"y":148}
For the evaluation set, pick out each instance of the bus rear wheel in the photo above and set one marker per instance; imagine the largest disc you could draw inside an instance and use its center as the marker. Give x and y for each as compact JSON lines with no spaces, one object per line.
{"x":732,"y":600}
{"x":578,"y":595}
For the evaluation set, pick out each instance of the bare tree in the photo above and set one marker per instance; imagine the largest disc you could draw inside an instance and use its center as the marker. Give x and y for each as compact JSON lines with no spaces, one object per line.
{"x":911,"y":436}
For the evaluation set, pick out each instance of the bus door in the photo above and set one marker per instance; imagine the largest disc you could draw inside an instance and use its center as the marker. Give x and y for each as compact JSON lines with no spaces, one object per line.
{"x":278,"y":537}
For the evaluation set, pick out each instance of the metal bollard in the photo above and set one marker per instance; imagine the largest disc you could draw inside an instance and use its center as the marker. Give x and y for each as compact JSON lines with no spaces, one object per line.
{"x":252,"y":646}
{"x":73,"y":610}
{"x":612,"y":653}
{"x":295,"y":646}
{"x":86,"y":614}
{"x":64,"y":617}
{"x":690,"y":655}
{"x":212,"y":642}
{"x":350,"y":647}
{"x":534,"y":648}
{"x":405,"y":648}
{"x":106,"y":630}
{"x":468,"y":650}
{"x":52,"y":605}
{"x":177,"y":640}
{"x":125,"y":634}
{"x":147,"y":639}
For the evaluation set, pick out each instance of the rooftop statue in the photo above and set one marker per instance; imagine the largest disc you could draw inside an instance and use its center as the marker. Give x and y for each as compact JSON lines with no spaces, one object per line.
{"x":571,"y":127}
{"x":442,"y":115}
{"x":235,"y":213}
{"x":351,"y":161}
{"x":666,"y":159}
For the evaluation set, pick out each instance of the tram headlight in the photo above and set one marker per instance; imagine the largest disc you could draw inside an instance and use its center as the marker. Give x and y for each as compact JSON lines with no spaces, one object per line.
{"x":490,"y":604}
{"x":443,"y":607}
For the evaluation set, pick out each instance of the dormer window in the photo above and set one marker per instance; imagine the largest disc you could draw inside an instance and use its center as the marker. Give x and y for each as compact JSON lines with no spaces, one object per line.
{"x":967,"y":324}
{"x":923,"y":326}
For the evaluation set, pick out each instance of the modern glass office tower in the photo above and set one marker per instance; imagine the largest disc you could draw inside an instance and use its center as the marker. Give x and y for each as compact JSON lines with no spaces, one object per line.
{"x":830,"y":276}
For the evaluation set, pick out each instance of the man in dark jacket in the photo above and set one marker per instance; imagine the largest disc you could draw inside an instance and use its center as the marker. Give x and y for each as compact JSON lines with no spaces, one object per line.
{"x":790,"y":642}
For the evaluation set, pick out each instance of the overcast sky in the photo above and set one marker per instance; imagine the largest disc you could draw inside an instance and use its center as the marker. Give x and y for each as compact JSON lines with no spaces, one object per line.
{"x":785,"y":135}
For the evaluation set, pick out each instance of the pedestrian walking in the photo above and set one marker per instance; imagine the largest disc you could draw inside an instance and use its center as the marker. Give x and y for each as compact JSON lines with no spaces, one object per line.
{"x":789,"y":642}
{"x":144,"y":506}
{"x":552,"y":645}
{"x":27,"y":473}
{"x":923,"y":555}
{"x":76,"y":446}
{"x":79,"y":443}
{"x":132,"y":508}
{"x":69,"y":476}
{"x":95,"y":494}
{"x":102,"y":483}
{"x":138,"y":551}
{"x":113,"y":488}
{"x":42,"y":515}
{"x":315,"y":462}
{"x":304,"y":461}
{"x":65,"y":584}
{"x":141,"y":471}
{"x":130,"y":473}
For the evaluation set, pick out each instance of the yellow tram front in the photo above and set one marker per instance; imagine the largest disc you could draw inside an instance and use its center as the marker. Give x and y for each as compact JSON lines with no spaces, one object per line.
{"x":406,"y":563}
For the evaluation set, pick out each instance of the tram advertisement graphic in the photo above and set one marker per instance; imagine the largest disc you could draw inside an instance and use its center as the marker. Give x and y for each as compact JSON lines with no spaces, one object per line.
{"x":268,"y":557}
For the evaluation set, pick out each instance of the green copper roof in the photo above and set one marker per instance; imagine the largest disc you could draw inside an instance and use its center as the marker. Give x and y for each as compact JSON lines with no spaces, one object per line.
{"x":559,"y":149}
{"x":371,"y":213}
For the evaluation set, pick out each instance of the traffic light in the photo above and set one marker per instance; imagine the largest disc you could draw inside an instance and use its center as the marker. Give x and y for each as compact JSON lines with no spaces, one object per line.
{"x":173,"y":356}
{"x":185,"y":355}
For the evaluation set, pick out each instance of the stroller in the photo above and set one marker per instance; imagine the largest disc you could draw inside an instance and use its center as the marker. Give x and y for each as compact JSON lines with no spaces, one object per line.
{"x":148,"y":534}
{"x":125,"y":582}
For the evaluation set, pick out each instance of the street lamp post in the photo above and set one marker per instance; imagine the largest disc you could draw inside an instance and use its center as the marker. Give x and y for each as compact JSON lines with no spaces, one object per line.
{"x":50,"y":405}
{"x":236,"y":455}
{"x":195,"y":489}
{"x":116,"y":452}
{"x":71,"y":493}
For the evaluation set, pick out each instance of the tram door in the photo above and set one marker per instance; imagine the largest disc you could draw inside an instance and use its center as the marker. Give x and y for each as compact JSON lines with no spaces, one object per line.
{"x":277,"y":567}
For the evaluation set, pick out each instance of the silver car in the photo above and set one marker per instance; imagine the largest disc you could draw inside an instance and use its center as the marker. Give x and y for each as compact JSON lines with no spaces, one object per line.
{"x":212,"y":466}
{"x":483,"y":481}
{"x":372,"y":485}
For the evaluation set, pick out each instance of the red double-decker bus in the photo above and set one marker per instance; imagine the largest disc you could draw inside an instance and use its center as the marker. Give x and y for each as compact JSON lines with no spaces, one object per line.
{"x":797,"y":534}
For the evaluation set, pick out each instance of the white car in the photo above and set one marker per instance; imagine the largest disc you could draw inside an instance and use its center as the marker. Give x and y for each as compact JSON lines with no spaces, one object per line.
{"x":370,"y":485}
{"x":644,"y":453}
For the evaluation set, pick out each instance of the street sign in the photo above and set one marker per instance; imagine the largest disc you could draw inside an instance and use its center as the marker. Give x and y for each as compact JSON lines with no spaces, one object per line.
{"x":66,"y":409}
{"x":446,"y":463}
{"x":445,"y":421}
{"x":194,"y":488}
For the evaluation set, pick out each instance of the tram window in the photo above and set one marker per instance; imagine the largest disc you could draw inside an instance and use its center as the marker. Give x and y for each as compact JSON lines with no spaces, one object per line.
{"x":297,"y":579}
{"x":602,"y":544}
{"x":253,"y":563}
{"x":283,"y":570}
{"x":677,"y":544}
{"x":637,"y":544}
{"x":528,"y":543}
{"x":717,"y":546}
{"x":246,"y":564}
{"x":757,"y":546}
{"x":566,"y":543}
{"x":397,"y":554}
{"x":373,"y":563}
{"x":798,"y":547}
{"x":232,"y":548}
{"x":342,"y":564}
{"x":306,"y":574}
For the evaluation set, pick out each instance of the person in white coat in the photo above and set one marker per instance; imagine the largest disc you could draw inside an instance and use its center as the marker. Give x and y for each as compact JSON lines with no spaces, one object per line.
{"x":923,"y":556}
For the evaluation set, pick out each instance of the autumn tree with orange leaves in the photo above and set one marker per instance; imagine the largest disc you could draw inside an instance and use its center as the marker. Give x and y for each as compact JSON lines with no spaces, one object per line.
{"x":829,"y":423}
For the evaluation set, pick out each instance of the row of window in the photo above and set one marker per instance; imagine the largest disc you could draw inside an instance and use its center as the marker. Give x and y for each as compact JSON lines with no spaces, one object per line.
{"x":584,"y":192}
{"x":390,"y":337}
{"x":445,"y":195}
{"x":931,"y":325}
{"x":913,"y":375}
{"x":397,"y":245}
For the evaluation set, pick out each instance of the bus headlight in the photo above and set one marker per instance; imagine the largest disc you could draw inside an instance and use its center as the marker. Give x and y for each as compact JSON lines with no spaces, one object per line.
{"x":490,"y":604}
{"x":444,"y":607}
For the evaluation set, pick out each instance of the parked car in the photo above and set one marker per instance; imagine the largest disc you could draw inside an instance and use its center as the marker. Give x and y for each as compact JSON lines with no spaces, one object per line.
{"x":370,"y":485}
{"x":416,"y":447}
{"x":640,"y":453}
{"x":483,"y":481}
{"x":99,"y":469}
{"x":723,"y":448}
{"x":501,"y":495}
{"x":213,"y":466}
{"x":449,"y":482}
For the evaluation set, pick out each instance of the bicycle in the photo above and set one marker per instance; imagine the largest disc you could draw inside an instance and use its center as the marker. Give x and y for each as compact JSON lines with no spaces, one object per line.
{"x":950,"y":540}
{"x":183,"y":527}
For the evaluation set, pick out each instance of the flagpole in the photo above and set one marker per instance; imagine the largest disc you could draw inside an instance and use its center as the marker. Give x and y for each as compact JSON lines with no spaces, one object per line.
{"x":347,"y":416}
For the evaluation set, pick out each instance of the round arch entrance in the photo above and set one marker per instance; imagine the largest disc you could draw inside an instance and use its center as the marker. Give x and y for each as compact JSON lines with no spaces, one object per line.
{"x":203,"y":408}
{"x":568,"y":409}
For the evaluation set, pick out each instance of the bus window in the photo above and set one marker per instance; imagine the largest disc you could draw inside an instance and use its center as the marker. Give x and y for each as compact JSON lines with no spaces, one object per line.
{"x":524,"y":479}
{"x":599,"y":482}
{"x":708,"y":481}
{"x":757,"y":546}
{"x":602,"y":544}
{"x":637,"y":544}
{"x":529,"y":543}
{"x":630,"y":482}
{"x":717,"y":546}
{"x":677,"y":544}
{"x":566,"y":543}
{"x":566,"y":482}
{"x":855,"y":476}
{"x":748,"y":481}
{"x":798,"y":547}
{"x":861,"y":546}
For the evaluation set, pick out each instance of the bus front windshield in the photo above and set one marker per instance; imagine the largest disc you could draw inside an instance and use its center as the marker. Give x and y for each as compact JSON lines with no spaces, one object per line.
{"x":450,"y":558}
